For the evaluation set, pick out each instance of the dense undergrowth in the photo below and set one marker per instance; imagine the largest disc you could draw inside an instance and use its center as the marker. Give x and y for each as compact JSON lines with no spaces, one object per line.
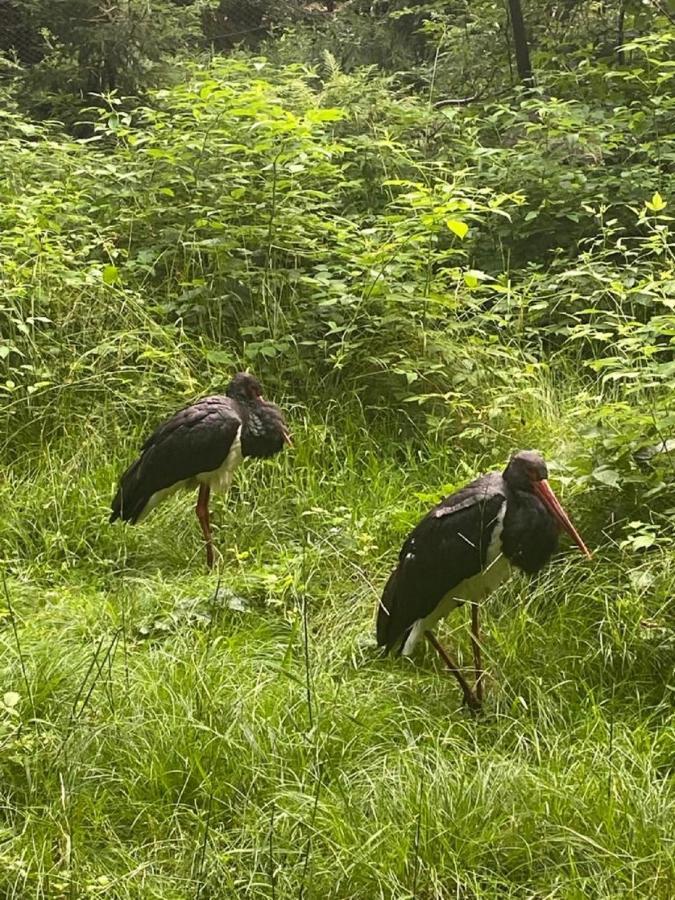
{"x":423,"y":290}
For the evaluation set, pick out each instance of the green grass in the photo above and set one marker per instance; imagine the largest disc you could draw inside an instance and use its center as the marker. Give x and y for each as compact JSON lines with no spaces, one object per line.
{"x":166,"y":745}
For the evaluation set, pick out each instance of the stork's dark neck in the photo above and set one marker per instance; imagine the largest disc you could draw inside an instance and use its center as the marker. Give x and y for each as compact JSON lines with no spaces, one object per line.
{"x":530,"y":535}
{"x":262,"y":431}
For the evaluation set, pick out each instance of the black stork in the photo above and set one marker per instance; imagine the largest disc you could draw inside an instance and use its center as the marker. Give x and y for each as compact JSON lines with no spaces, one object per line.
{"x":463,"y":549}
{"x":201,"y":446}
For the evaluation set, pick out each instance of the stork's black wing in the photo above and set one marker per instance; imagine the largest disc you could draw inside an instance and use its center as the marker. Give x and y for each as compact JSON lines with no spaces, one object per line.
{"x":196,"y":439}
{"x":446,"y":547}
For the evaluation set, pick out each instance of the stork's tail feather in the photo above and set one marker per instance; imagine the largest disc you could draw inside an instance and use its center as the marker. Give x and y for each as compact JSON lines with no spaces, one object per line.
{"x":130,"y":500}
{"x":384,"y":630}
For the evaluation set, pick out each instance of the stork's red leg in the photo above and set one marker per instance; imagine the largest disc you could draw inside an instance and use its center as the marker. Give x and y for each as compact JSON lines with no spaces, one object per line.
{"x":469,"y":697}
{"x":203,"y":516}
{"x":475,"y":642}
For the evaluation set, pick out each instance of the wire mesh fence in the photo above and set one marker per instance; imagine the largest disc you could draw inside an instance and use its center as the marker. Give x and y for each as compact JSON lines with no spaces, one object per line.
{"x":89,"y":43}
{"x":30,"y":31}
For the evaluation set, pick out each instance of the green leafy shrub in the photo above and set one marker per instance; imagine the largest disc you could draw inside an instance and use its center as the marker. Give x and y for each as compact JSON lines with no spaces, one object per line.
{"x":237,"y":211}
{"x":340,"y":234}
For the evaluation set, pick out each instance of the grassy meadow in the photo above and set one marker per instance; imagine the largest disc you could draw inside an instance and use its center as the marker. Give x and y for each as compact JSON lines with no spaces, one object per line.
{"x":168,"y":733}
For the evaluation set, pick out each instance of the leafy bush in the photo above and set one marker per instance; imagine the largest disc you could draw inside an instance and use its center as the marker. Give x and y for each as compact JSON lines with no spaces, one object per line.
{"x":235,"y":211}
{"x":345,"y":237}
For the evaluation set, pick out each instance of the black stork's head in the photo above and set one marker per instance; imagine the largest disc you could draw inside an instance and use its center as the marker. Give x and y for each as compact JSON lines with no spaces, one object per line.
{"x":244,"y":388}
{"x":527,"y":471}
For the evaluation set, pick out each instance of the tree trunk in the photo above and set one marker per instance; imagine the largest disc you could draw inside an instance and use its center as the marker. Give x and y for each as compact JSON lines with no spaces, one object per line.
{"x":619,"y":35}
{"x":520,"y":42}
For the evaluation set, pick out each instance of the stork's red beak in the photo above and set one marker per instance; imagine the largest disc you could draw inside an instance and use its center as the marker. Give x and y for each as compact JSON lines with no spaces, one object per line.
{"x":549,"y":499}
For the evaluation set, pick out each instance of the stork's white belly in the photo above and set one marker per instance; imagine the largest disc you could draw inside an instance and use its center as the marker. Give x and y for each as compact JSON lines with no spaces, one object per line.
{"x":219,"y":479}
{"x":472,"y":590}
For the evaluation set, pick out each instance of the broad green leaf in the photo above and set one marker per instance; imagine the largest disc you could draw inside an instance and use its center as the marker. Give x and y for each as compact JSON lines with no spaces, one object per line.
{"x":110,"y":274}
{"x":457,"y":227}
{"x":606,"y":476}
{"x":472,"y":277}
{"x":220,"y":357}
{"x":333,"y":114}
{"x":657,"y":203}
